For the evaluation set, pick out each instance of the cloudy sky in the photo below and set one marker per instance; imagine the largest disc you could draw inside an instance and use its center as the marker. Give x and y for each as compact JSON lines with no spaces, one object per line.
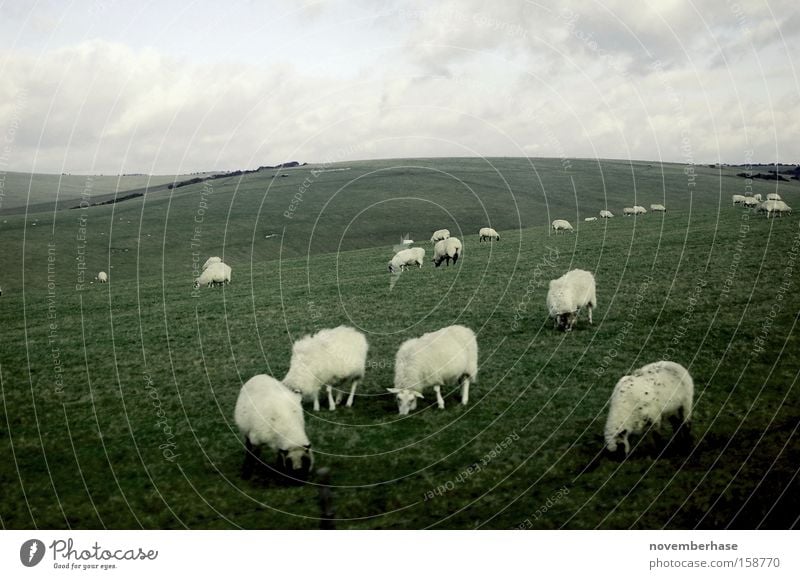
{"x":105,"y":86}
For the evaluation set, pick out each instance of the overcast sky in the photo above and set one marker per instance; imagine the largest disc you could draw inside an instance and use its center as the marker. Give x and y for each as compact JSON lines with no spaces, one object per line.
{"x":106,"y":86}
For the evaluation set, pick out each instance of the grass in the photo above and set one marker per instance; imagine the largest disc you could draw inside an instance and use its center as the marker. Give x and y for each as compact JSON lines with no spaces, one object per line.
{"x":148,"y":370}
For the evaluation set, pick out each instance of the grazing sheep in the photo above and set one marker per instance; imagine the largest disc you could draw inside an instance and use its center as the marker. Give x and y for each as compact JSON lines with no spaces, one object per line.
{"x":211,"y":260}
{"x":757,"y":197}
{"x":658,"y":207}
{"x":750,"y":202}
{"x":639,"y":210}
{"x":568,"y":294}
{"x":102,"y":277}
{"x":268,"y":413}
{"x":439,"y":235}
{"x":774,"y":208}
{"x":406,"y":257}
{"x":738,"y":199}
{"x":773,"y":197}
{"x":331,"y":357}
{"x":628,"y":211}
{"x":641,"y":400}
{"x":488,"y":234}
{"x":215,"y":274}
{"x":606,"y":214}
{"x":561,"y":225}
{"x":590,"y":219}
{"x":446,"y":250}
{"x":447,"y":356}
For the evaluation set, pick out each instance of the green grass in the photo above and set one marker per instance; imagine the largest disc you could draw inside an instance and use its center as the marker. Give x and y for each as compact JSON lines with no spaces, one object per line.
{"x":89,"y":456}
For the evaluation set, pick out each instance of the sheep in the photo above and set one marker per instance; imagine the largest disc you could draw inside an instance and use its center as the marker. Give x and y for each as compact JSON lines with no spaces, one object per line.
{"x":641,"y":400}
{"x":750,"y":201}
{"x":606,"y":214}
{"x":268,"y":413}
{"x":446,"y":250}
{"x":773,"y":197}
{"x":211,"y":260}
{"x":738,"y":199}
{"x":435,"y":359}
{"x":406,"y":257}
{"x":561,"y":225}
{"x":590,"y":219}
{"x":568,"y":294}
{"x":774,"y":208}
{"x":439,"y":235}
{"x":639,"y":210}
{"x":488,"y":234}
{"x":215,"y":274}
{"x":628,"y":211}
{"x":102,"y":277}
{"x":658,"y":207}
{"x":757,"y":197}
{"x":331,"y":357}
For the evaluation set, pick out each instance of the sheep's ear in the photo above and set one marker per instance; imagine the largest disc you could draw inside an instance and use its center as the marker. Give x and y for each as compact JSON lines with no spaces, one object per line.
{"x":418,"y":395}
{"x":393,"y":390}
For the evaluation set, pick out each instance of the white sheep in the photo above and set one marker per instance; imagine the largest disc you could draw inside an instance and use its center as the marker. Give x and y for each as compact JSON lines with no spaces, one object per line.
{"x":738,"y":199}
{"x":439,"y":235}
{"x":628,"y":211}
{"x":606,"y":214}
{"x":641,"y":400}
{"x":446,"y":250}
{"x":488,"y":234}
{"x":568,"y":294}
{"x":211,"y":260}
{"x":102,"y":277}
{"x":446,"y":356}
{"x":590,"y":219}
{"x":215,"y":274}
{"x":639,"y":210}
{"x":750,"y":201}
{"x":658,"y":207}
{"x":268,"y":413}
{"x":406,"y":257}
{"x":773,"y":197}
{"x":331,"y":357}
{"x":757,"y":197}
{"x":561,"y":225}
{"x":774,"y":208}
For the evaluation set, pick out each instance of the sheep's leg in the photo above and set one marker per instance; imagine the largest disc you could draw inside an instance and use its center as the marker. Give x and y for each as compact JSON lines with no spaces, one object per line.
{"x":465,"y":390}
{"x":455,"y":259}
{"x":339,"y":396}
{"x":331,"y":403}
{"x":316,"y":401}
{"x":250,"y":457}
{"x":590,"y":314}
{"x":439,"y":399}
{"x":352,"y":393}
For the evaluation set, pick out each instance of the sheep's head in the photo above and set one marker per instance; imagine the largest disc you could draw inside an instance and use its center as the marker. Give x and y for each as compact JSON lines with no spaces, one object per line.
{"x":297,"y":462}
{"x":565,"y":322}
{"x":406,"y":399}
{"x":391,"y":268}
{"x":613,"y":443}
{"x":196,"y":284}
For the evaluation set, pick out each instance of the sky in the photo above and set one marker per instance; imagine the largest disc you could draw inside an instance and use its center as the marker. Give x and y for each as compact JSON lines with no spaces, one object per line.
{"x":113,"y":87}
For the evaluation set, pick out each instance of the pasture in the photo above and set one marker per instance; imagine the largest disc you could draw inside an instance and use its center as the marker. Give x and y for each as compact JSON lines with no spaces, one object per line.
{"x":117,"y":399}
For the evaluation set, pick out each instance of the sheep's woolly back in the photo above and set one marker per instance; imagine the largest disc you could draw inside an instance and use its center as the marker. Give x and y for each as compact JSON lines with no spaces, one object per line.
{"x":270,"y":414}
{"x":572,"y":291}
{"x":328,"y":357}
{"x":655,"y":391}
{"x":440,"y":234}
{"x":440,"y":357}
{"x":410,"y":256}
{"x":211,"y":260}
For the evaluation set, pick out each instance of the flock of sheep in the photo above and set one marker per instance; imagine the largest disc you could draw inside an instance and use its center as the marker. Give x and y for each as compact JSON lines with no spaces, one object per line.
{"x":269,"y":411}
{"x":774,"y":206}
{"x":562,"y":225}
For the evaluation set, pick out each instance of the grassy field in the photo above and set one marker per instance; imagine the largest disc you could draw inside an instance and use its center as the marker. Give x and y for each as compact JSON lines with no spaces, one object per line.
{"x":117,"y":399}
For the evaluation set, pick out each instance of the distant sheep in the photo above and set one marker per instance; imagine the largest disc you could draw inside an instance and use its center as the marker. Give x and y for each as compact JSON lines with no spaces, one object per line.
{"x":658,"y":207}
{"x":773,"y":197}
{"x":628,"y":211}
{"x":566,"y":295}
{"x":641,"y":400}
{"x":561,"y":225}
{"x":405,"y":258}
{"x":211,"y":260}
{"x":268,"y":413}
{"x":590,"y":219}
{"x":102,"y":277}
{"x":606,"y":214}
{"x":331,"y":357}
{"x":639,"y":210}
{"x":738,"y":199}
{"x":446,"y":250}
{"x":774,"y":208}
{"x":215,"y":274}
{"x":487,"y":234}
{"x":439,"y":235}
{"x":447,"y":356}
{"x":750,"y":202}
